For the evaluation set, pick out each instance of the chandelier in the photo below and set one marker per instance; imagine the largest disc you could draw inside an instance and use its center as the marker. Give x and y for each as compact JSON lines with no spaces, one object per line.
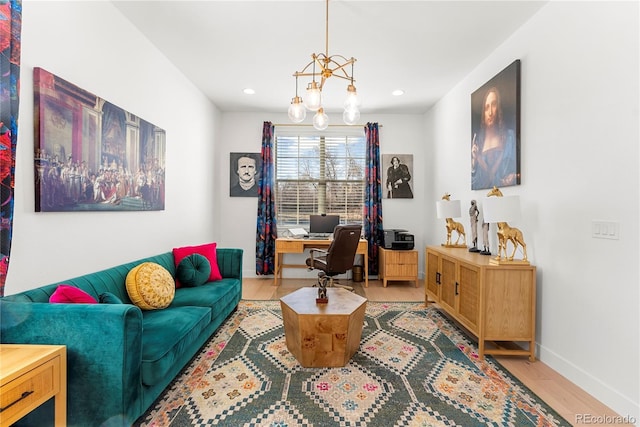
{"x":322,"y":67}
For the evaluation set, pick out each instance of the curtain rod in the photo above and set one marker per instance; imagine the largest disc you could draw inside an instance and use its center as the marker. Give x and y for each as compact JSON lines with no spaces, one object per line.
{"x":308,"y":125}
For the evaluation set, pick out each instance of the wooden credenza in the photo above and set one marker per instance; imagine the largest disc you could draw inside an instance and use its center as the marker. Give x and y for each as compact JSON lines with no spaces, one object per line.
{"x":496,"y":303}
{"x":29,"y":376}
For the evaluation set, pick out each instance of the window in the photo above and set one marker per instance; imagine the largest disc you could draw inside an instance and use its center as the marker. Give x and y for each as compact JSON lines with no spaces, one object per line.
{"x":319,"y":173}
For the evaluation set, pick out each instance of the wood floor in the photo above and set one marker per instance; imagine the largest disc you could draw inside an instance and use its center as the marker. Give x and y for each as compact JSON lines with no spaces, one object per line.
{"x":570,"y":401}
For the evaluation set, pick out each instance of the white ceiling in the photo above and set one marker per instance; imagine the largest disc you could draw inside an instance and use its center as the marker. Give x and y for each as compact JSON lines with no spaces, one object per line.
{"x":423,"y":47}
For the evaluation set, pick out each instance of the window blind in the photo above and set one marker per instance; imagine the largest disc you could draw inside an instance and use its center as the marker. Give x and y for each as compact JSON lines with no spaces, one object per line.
{"x":319,"y":172}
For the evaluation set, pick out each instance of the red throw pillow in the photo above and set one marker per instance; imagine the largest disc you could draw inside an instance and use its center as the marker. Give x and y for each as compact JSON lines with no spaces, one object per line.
{"x":207,"y":250}
{"x":66,"y":294}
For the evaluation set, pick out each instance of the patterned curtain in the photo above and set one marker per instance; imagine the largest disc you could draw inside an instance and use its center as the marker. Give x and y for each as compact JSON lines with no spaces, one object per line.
{"x":10,"y":43}
{"x":266,"y":230}
{"x":373,"y":230}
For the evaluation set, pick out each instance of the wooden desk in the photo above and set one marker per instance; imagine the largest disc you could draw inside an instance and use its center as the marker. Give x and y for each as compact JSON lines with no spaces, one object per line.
{"x":298,"y":246}
{"x":29,"y":376}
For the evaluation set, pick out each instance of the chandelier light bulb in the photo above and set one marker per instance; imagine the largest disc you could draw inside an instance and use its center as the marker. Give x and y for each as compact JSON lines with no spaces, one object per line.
{"x":351,"y":116}
{"x":320,"y":120}
{"x":352,"y":100}
{"x":313,"y":100}
{"x":297,"y":112}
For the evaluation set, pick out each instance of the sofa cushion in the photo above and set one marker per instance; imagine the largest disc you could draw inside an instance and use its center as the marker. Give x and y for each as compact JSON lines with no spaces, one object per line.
{"x":71,"y":295}
{"x":109,"y":298}
{"x":207,"y":250}
{"x":193,"y":270}
{"x":150,"y":286}
{"x":166,"y":336}
{"x":213,"y":296}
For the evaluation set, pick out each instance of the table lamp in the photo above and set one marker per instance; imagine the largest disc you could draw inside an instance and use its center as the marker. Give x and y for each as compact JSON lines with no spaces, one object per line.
{"x":499,"y":210}
{"x":449,"y":209}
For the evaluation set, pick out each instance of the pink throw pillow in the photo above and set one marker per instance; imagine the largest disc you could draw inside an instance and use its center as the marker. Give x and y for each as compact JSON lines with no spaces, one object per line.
{"x":71,"y":295}
{"x":207,"y":250}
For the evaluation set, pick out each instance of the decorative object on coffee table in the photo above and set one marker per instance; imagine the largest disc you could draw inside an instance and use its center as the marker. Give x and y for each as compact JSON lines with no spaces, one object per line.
{"x":322,"y":288}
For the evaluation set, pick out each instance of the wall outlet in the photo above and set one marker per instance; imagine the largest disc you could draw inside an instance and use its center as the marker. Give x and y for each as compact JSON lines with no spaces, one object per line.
{"x":605,"y":230}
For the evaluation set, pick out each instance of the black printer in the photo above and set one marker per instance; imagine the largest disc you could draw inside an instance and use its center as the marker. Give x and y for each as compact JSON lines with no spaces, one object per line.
{"x":398,"y":239}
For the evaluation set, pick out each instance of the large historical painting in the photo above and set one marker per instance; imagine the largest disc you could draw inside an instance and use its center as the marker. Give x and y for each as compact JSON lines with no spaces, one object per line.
{"x":91,"y":155}
{"x":495,"y":131}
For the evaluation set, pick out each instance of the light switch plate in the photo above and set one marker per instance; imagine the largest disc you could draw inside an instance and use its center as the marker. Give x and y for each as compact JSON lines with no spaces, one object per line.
{"x":605,"y":229}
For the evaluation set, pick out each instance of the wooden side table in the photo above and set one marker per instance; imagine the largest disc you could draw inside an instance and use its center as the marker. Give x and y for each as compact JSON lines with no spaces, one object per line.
{"x":398,"y":265}
{"x":29,"y":376}
{"x":323,"y":335}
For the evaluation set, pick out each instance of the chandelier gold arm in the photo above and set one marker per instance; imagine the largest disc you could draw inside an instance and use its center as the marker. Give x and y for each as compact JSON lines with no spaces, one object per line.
{"x":328,"y":66}
{"x":326,"y":71}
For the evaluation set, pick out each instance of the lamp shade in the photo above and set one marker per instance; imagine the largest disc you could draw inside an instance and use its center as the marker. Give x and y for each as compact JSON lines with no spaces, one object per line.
{"x":501,"y":209}
{"x":448,"y":208}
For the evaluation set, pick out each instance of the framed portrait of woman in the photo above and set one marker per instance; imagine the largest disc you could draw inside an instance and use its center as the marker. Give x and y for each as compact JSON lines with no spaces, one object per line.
{"x":397,"y":180}
{"x":495,"y":131}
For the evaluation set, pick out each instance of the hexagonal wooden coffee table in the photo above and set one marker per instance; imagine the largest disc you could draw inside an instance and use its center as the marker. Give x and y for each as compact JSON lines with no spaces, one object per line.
{"x":323,"y":335}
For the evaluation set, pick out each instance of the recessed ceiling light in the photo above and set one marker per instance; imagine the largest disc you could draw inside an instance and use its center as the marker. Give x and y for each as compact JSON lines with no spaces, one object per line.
{"x":397,"y":92}
{"x":249,"y":91}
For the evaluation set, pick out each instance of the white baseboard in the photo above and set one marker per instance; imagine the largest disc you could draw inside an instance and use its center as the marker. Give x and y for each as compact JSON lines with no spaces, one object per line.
{"x":623,"y":405}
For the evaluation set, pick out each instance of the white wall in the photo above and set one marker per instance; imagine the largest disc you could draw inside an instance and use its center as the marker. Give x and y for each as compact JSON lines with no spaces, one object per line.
{"x":580,"y":138}
{"x":242,"y":132}
{"x":92,"y":46}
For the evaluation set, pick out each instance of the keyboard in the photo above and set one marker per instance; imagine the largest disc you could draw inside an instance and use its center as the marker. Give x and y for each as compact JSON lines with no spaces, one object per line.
{"x":319,"y":236}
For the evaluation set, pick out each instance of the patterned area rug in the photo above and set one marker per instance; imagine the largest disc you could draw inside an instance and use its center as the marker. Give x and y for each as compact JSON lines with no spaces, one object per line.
{"x":413,"y":368}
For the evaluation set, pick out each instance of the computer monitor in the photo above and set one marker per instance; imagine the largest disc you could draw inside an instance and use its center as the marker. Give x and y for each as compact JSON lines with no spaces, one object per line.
{"x":323,"y":224}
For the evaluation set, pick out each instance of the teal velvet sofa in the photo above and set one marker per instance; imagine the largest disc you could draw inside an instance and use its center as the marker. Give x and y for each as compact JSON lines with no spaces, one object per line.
{"x":120,"y":358}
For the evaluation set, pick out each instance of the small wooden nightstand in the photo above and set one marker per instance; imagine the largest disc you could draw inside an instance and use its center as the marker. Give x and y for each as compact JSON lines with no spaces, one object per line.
{"x":29,"y":376}
{"x":397,"y":265}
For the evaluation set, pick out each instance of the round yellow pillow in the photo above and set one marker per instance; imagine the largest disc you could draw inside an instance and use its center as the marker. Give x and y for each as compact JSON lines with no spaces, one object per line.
{"x":150,"y":286}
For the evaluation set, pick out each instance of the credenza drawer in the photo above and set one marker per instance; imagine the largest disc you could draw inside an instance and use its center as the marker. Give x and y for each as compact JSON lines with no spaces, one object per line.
{"x":28,"y":391}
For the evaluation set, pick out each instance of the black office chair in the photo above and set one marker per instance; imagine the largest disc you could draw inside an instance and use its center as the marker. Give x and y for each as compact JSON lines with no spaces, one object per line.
{"x":338,"y":258}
